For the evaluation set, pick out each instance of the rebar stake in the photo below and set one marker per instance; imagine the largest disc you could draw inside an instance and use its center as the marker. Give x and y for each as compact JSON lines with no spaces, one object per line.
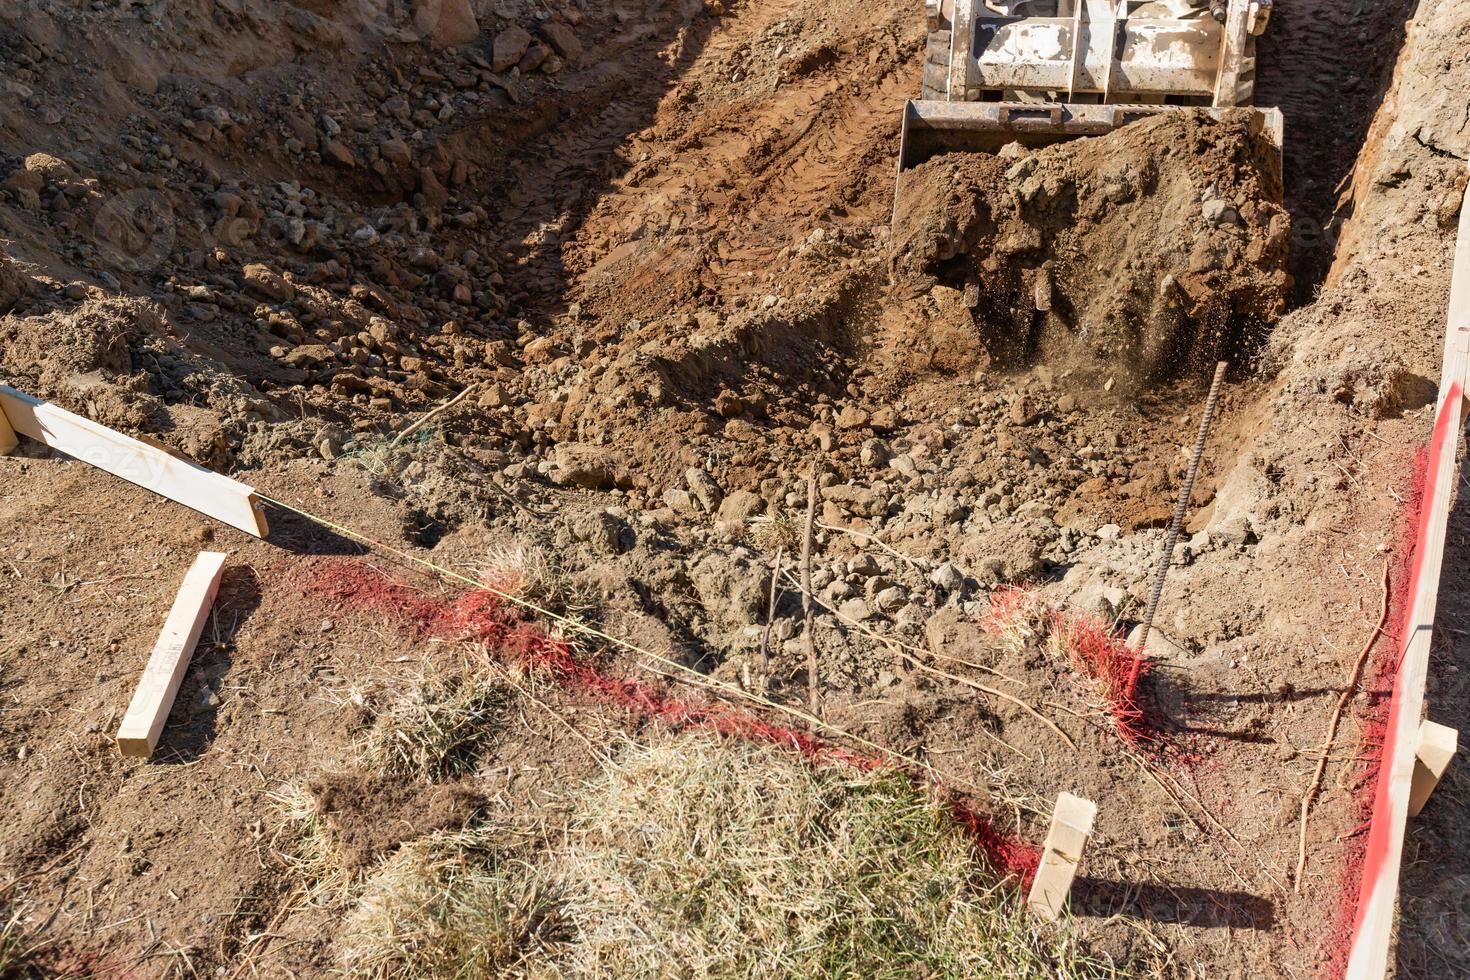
{"x":1185,"y":492}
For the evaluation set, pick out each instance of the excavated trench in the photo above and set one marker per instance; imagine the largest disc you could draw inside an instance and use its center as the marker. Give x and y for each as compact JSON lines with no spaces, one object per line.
{"x":668,"y":271}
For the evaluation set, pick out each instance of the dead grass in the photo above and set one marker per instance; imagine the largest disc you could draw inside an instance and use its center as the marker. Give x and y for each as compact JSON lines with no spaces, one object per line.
{"x":778,"y":530}
{"x":1017,"y":616}
{"x":434,"y":728}
{"x":699,"y":857}
{"x":705,"y":858}
{"x":533,"y":574}
{"x":450,"y":905}
{"x":304,"y":843}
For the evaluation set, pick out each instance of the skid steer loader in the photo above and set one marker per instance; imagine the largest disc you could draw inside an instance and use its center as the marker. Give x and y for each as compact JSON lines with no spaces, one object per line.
{"x":1040,"y":71}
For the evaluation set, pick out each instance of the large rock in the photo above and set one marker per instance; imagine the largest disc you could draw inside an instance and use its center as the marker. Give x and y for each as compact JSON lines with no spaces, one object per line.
{"x":446,"y":22}
{"x":590,"y":467}
{"x":510,"y":46}
{"x":13,"y":284}
{"x":562,"y":40}
{"x":733,"y":592}
{"x":268,"y":284}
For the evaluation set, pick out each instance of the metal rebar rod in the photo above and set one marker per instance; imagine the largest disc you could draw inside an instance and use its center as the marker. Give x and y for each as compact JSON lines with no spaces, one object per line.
{"x":1185,"y":492}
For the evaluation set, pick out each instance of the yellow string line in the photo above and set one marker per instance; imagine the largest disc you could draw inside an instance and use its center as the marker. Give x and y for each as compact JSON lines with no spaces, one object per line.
{"x":579,"y":627}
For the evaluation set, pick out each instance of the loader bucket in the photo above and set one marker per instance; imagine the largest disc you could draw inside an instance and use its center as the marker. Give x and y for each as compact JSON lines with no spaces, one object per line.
{"x":931,"y":128}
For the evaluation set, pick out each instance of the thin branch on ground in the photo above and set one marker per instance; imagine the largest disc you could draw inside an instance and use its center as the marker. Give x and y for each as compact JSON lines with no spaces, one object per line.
{"x":1315,"y":786}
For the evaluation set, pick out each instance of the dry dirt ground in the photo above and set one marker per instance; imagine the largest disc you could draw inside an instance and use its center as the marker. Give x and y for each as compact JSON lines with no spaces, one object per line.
{"x":655,"y":239}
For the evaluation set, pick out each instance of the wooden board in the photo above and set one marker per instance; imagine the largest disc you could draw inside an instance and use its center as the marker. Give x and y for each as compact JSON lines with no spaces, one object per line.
{"x":1071,"y":825}
{"x":1437,"y":746}
{"x":154,"y":698}
{"x":8,"y":438}
{"x":137,"y":462}
{"x":1378,"y":894}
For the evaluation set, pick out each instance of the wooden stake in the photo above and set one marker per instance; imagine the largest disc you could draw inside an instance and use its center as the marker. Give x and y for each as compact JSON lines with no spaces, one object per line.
{"x":143,"y":723}
{"x":814,"y":700}
{"x":137,"y":462}
{"x":1071,"y":825}
{"x":1437,"y":746}
{"x":8,"y":439}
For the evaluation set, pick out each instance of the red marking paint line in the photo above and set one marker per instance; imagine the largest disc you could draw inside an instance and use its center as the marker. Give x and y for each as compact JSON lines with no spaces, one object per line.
{"x":1091,"y":646}
{"x":1095,"y":649}
{"x":1379,"y":683}
{"x":483,"y":617}
{"x":1376,"y":850}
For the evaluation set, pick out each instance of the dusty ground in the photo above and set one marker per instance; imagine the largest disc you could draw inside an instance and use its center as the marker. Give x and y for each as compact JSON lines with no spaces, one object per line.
{"x":273,"y":236}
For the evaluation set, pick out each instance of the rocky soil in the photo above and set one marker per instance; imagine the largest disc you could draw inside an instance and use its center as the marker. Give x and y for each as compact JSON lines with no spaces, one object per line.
{"x":653,"y":242}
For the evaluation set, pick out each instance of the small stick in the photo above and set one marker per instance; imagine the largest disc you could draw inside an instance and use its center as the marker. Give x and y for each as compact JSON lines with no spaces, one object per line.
{"x":814,"y":701}
{"x":770,"y":616}
{"x":1185,"y":492}
{"x":425,"y":420}
{"x":1315,"y":785}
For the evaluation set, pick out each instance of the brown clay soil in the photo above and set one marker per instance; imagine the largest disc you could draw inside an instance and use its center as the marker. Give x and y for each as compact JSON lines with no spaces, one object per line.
{"x":273,"y":236}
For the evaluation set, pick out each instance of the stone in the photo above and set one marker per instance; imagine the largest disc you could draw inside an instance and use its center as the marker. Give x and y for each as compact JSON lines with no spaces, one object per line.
{"x":891,"y":599}
{"x":308,"y":355}
{"x":532,"y":59}
{"x":446,"y":22}
{"x":874,"y":453}
{"x":704,"y":489}
{"x":268,"y":284}
{"x":510,"y":46}
{"x":947,"y":577}
{"x":679,"y":501}
{"x":580,"y":465}
{"x":855,"y":610}
{"x":731,"y":590}
{"x":1109,"y":532}
{"x":495,"y":396}
{"x":336,"y":152}
{"x":729,"y":404}
{"x":396,"y":152}
{"x":852,"y":417}
{"x":562,"y":40}
{"x":1219,"y":214}
{"x":741,"y":506}
{"x":599,"y":530}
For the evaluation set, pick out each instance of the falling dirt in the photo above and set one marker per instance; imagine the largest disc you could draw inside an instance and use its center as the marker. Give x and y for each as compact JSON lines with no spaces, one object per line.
{"x":1144,"y":255}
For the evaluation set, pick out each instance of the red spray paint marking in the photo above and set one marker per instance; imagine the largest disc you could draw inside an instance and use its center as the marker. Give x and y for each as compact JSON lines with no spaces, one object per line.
{"x":1375,"y":852}
{"x":1098,"y":651}
{"x":481,"y":616}
{"x":1094,"y":648}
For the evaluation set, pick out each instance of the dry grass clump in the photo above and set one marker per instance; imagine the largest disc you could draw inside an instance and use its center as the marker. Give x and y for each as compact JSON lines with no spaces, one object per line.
{"x":451,"y":906}
{"x":698,"y":857}
{"x":778,"y":530}
{"x":1017,"y":615}
{"x":434,"y":728}
{"x":304,"y":843}
{"x":532,"y":574}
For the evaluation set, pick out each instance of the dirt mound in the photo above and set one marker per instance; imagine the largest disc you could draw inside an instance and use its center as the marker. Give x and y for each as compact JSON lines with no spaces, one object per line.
{"x":370,"y":815}
{"x":1140,"y":255}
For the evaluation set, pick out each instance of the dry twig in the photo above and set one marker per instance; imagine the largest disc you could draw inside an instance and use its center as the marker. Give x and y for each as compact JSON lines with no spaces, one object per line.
{"x":814,"y":702}
{"x":1315,"y":785}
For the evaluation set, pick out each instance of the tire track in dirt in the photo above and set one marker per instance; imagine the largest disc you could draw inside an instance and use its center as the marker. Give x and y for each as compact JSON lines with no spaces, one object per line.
{"x":742,"y":179}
